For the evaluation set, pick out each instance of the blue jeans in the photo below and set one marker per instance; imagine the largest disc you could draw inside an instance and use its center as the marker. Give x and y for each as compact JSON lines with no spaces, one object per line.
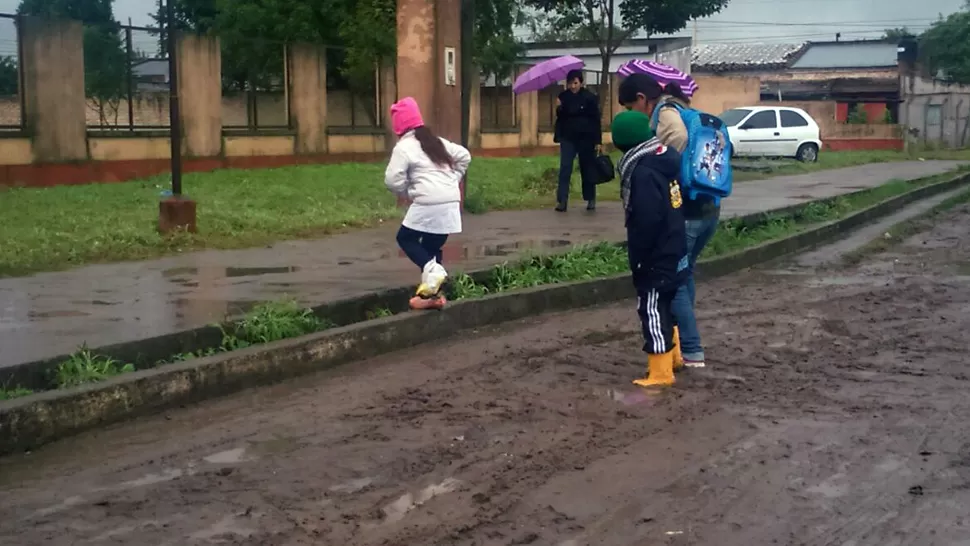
{"x":419,"y":246}
{"x":699,"y":232}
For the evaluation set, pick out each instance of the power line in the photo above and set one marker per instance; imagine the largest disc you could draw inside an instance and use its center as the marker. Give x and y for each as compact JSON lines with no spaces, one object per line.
{"x":789,"y":37}
{"x":923,"y":22}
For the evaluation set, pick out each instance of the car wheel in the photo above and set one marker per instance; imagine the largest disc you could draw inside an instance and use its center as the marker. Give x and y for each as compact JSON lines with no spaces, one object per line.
{"x":807,"y":153}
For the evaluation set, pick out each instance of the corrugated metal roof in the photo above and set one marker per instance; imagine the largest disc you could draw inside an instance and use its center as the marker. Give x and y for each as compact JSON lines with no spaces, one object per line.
{"x":724,"y":57}
{"x":848,"y":55}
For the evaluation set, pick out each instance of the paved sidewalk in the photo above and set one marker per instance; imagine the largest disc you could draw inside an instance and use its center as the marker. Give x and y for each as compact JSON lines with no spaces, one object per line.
{"x":53,"y":313}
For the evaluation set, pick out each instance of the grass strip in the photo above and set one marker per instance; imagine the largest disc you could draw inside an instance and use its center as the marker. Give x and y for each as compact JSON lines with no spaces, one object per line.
{"x":48,"y":229}
{"x":274,"y":321}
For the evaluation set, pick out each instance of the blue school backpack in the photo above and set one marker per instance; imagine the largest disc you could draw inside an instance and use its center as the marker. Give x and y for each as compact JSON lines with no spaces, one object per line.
{"x":705,"y":167}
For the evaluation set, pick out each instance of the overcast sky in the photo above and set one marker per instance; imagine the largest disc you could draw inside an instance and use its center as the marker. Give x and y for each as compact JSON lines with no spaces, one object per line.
{"x":743,"y":21}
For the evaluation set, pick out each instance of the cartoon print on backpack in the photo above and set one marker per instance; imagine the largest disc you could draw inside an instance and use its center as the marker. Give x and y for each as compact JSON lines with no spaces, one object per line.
{"x":706,"y":161}
{"x":712,"y":159}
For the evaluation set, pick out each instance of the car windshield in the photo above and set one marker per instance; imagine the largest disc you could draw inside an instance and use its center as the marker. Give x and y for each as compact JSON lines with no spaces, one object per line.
{"x":733,"y":117}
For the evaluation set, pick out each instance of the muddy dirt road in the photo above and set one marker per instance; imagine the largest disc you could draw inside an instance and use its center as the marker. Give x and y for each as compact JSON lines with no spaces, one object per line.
{"x":835,"y":412}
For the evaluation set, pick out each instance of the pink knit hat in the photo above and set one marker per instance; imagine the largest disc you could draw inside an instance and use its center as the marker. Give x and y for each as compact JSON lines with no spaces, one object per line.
{"x":405,"y":115}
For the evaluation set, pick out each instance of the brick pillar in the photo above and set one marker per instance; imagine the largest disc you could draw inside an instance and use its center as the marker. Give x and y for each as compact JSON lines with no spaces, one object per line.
{"x":308,"y":97}
{"x":53,"y":88}
{"x":200,"y":94}
{"x":475,"y":113}
{"x":387,"y":83}
{"x":426,"y":31}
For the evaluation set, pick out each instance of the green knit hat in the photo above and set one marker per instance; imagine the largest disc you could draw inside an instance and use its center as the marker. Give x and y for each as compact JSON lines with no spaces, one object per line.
{"x":630,"y":128}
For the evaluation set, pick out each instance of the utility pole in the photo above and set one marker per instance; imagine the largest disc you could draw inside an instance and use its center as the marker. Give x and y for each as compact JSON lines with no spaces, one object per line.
{"x":175,"y":213}
{"x":173,"y":100}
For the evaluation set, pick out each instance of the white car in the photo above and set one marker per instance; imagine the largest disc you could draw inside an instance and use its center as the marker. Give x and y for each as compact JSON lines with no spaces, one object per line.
{"x":773,"y":131}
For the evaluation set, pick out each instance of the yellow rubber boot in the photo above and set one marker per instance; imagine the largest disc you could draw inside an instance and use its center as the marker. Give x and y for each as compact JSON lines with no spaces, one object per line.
{"x":660,"y":371}
{"x":678,"y":355}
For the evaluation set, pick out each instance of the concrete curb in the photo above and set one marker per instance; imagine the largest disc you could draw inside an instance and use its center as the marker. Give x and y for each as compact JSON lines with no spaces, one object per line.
{"x":44,"y":417}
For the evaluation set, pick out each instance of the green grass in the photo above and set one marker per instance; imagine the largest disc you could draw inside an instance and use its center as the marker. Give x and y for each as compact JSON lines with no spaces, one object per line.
{"x":16,"y":392}
{"x":86,"y":367}
{"x":46,"y":229}
{"x":379,"y":312}
{"x":265,"y":323}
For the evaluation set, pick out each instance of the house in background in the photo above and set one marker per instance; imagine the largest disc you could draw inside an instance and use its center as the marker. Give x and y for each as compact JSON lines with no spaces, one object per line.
{"x":935,"y":111}
{"x":827,"y":79}
{"x":860,"y":74}
{"x":150,"y":75}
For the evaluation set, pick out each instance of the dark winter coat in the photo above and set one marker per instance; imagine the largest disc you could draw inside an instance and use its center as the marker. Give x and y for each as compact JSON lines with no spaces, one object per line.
{"x":656,"y":239}
{"x":578,"y":117}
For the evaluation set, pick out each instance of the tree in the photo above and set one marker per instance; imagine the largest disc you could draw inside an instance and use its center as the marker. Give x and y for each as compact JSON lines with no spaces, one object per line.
{"x":495,"y":46}
{"x":105,"y":58}
{"x":362,"y":33}
{"x":9,"y":76}
{"x":897,"y":34}
{"x":609,"y":24}
{"x":945,"y":46}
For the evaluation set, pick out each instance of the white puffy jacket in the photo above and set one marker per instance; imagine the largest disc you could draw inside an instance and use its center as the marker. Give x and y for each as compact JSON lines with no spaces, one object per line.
{"x":411,"y":172}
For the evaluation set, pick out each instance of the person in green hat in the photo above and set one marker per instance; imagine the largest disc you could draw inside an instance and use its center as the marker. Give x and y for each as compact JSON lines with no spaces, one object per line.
{"x":656,"y":242}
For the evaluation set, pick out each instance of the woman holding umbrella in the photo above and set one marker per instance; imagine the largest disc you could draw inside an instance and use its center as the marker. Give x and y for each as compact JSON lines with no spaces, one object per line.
{"x":578,"y":133}
{"x":578,"y":129}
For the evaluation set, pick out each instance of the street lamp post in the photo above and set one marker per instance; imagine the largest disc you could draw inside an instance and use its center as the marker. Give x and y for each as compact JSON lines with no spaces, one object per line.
{"x":173,"y":101}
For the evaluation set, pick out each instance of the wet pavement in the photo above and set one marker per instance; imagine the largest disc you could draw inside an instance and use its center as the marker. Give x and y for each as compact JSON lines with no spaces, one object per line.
{"x":50,"y":314}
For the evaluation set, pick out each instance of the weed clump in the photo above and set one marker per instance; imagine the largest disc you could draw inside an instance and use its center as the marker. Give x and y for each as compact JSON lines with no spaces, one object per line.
{"x":85,"y":367}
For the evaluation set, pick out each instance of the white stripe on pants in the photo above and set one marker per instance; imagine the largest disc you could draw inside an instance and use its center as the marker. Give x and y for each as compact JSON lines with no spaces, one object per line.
{"x":657,"y":320}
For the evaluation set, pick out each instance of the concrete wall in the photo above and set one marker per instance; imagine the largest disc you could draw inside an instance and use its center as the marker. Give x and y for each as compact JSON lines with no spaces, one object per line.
{"x":53,"y":87}
{"x":308,"y":96}
{"x":935,"y":113}
{"x":716,"y":94}
{"x":200,"y":100}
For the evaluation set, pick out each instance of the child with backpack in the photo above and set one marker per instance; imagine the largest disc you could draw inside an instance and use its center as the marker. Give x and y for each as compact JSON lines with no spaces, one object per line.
{"x":705,"y":179}
{"x":657,"y":251}
{"x":427,"y":170}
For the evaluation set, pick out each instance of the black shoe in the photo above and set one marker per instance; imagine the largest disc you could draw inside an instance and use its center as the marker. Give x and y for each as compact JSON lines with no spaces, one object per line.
{"x":591,"y":205}
{"x":561,"y":207}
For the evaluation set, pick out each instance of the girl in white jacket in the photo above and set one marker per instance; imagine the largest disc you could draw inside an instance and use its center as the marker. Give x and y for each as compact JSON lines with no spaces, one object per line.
{"x":428,"y":171}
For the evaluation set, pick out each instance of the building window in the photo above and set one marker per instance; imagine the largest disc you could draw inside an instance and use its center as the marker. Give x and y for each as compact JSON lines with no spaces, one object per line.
{"x":934,"y":114}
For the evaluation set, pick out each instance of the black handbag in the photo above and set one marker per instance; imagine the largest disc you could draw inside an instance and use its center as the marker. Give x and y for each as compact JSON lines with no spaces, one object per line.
{"x":604,"y":169}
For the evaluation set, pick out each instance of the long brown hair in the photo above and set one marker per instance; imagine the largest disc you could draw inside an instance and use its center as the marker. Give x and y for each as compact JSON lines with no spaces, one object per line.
{"x":433,"y":147}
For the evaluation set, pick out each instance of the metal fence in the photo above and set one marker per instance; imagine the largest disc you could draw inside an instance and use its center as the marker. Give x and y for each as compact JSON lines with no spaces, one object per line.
{"x":254,"y":93}
{"x":127,"y":83}
{"x":497,"y":104}
{"x":126,"y":80}
{"x":351,"y":105}
{"x":11,"y":97}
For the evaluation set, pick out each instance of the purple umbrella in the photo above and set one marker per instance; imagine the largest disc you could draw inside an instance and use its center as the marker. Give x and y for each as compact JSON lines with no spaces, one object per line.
{"x":663,"y":73}
{"x":546,"y":73}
